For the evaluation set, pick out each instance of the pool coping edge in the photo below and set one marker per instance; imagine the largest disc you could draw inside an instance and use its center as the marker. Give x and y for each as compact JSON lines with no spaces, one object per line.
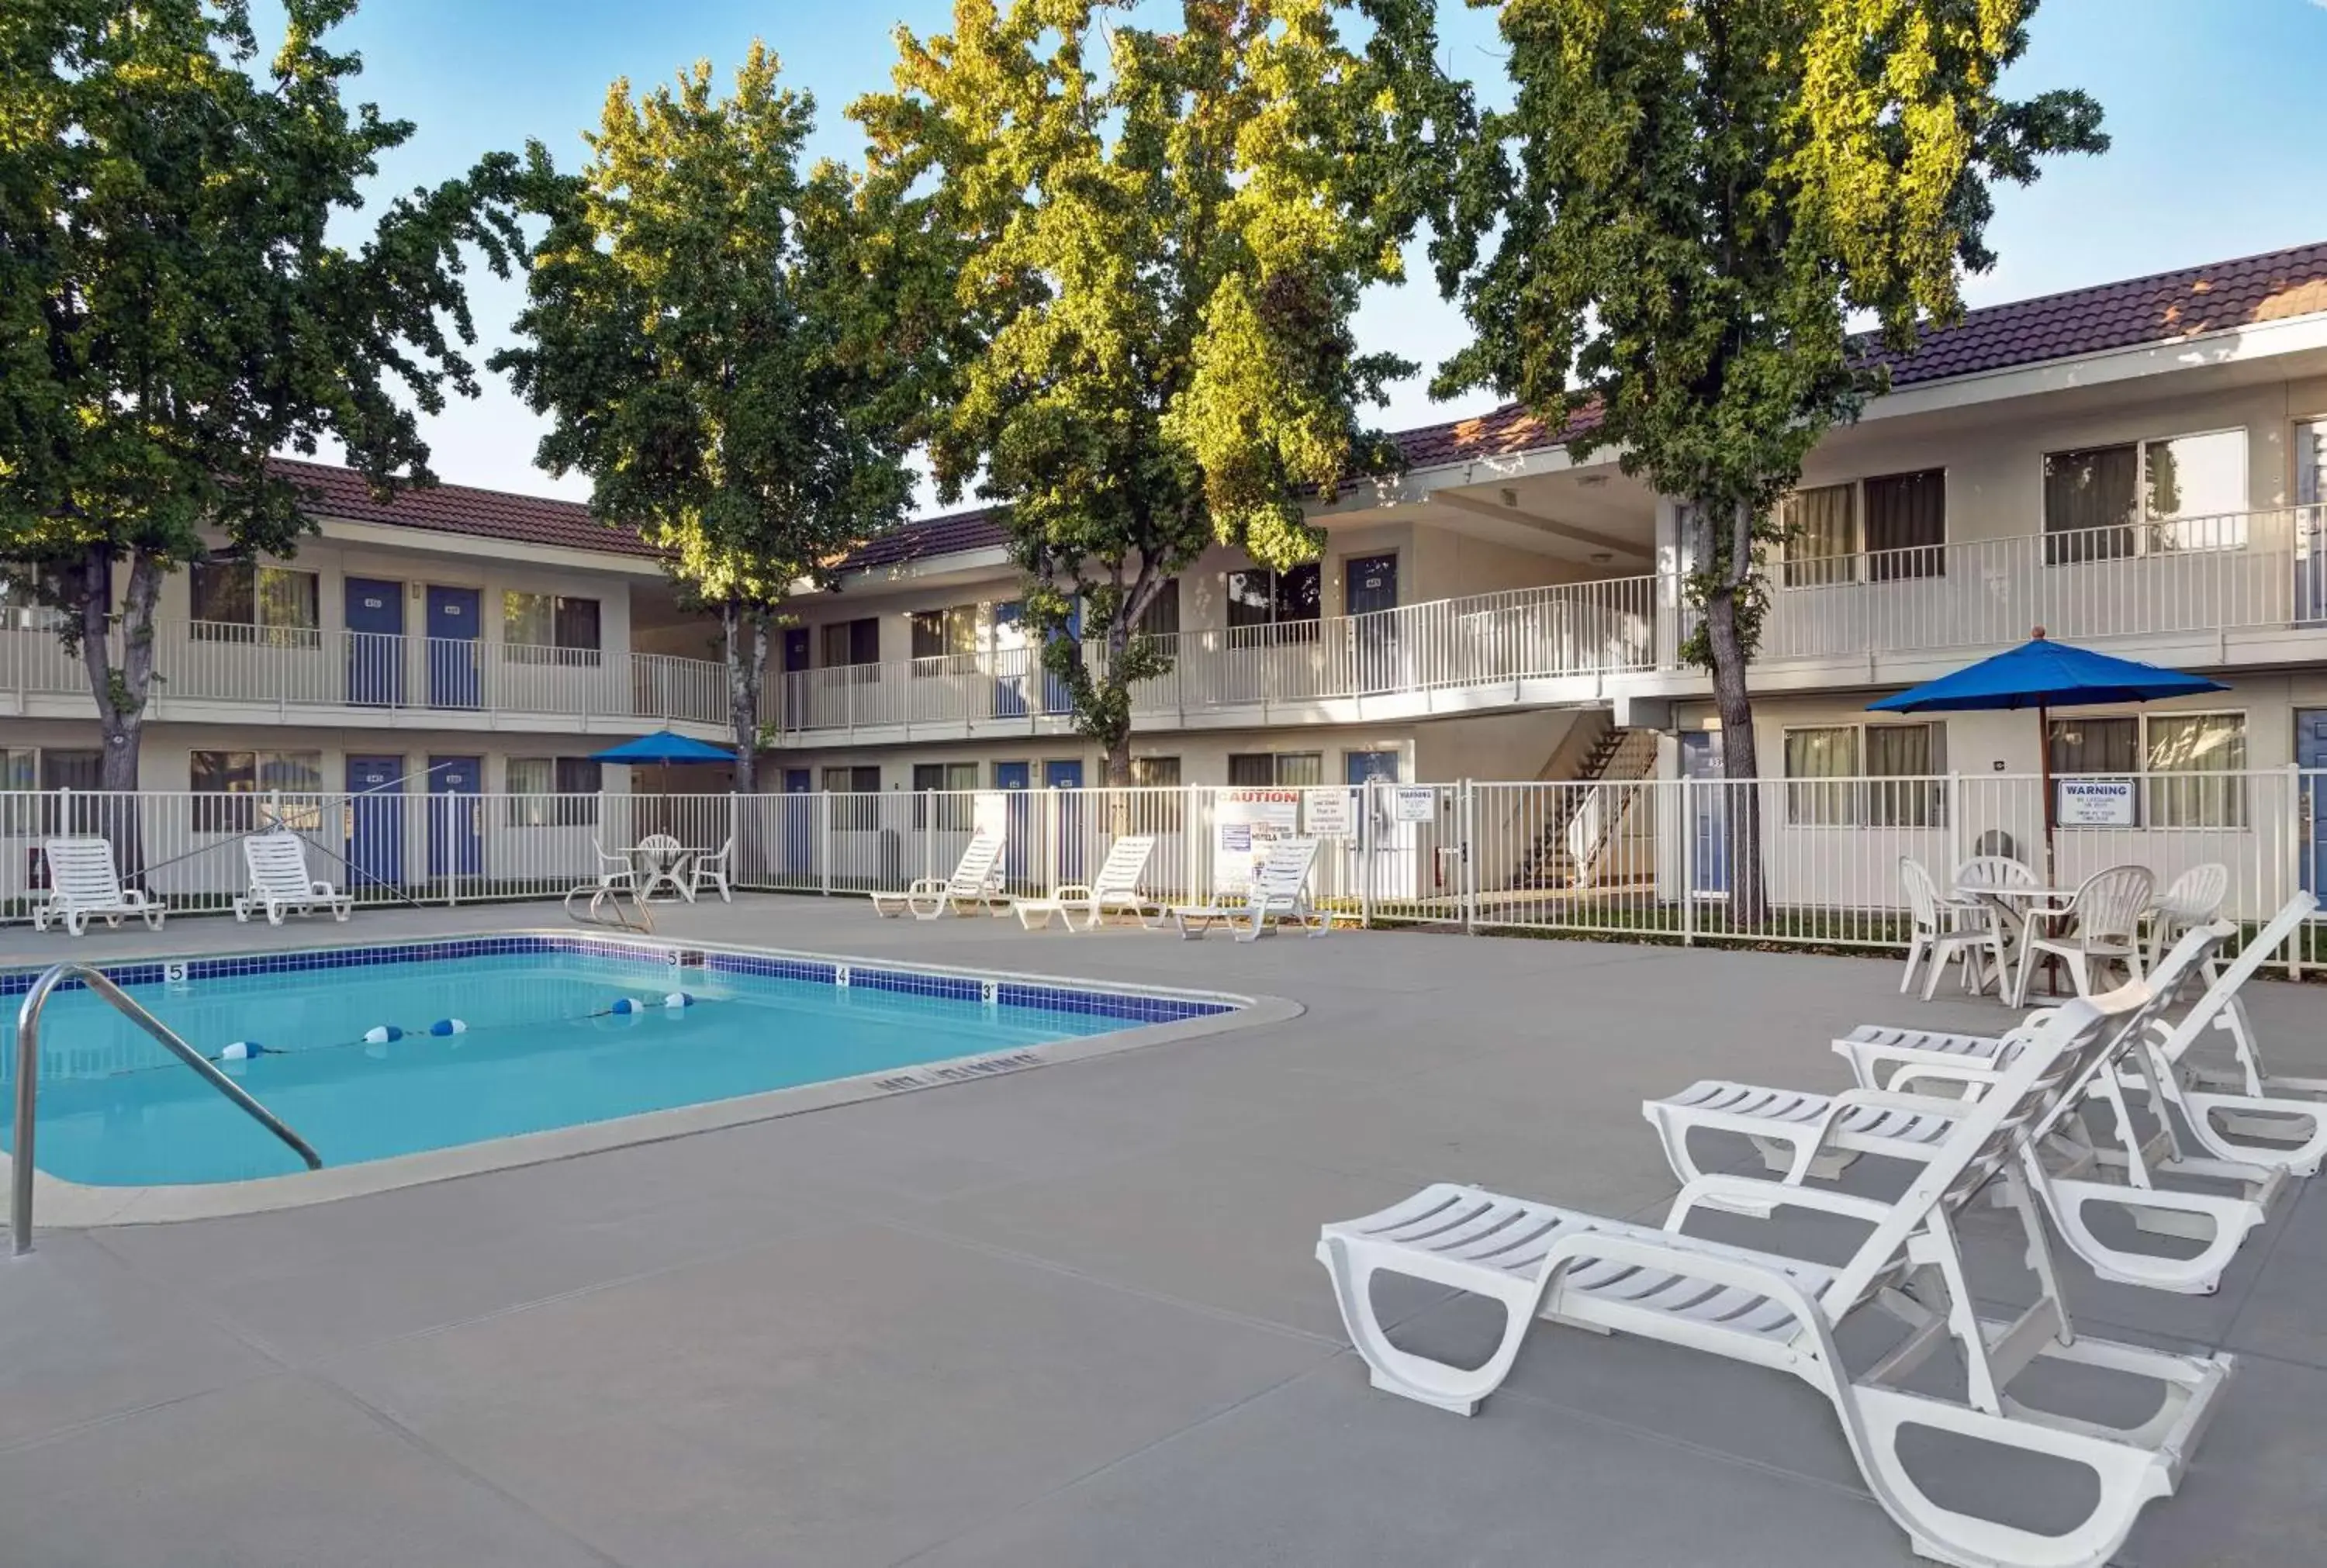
{"x":63,"y":1204}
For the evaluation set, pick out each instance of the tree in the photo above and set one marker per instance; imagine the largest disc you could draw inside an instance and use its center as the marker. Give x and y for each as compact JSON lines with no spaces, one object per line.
{"x":714,"y":336}
{"x":171,"y":311}
{"x":1677,"y":217}
{"x":1161,"y":239}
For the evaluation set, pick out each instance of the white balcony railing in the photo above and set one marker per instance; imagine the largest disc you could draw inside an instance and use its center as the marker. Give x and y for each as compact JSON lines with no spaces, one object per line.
{"x":286,"y":667}
{"x":1566,"y":629}
{"x":2195,"y":575}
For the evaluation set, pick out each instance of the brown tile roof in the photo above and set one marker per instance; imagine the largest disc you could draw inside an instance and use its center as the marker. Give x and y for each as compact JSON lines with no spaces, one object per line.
{"x":2162,"y":308}
{"x":954,"y":534}
{"x":2165,"y":307}
{"x":454,"y":508}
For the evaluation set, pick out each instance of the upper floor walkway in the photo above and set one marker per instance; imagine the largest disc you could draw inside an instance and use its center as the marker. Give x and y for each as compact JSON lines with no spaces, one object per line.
{"x":232,"y":672}
{"x":2245,"y":589}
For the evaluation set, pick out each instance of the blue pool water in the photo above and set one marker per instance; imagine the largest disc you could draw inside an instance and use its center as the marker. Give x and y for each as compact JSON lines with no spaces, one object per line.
{"x":541,"y":1049}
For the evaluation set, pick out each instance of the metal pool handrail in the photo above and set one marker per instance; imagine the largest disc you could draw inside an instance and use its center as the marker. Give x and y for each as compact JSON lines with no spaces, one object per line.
{"x":28,"y":1060}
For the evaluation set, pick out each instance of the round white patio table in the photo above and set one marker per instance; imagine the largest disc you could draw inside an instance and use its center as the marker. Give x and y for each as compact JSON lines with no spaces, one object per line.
{"x":2022,"y":908}
{"x":663,"y":862}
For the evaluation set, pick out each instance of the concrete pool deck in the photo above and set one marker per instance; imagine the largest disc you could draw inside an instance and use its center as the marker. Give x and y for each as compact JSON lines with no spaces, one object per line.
{"x":1068,"y":1316}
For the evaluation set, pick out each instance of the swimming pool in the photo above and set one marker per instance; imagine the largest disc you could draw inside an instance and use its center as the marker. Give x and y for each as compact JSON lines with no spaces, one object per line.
{"x":376,"y":1052}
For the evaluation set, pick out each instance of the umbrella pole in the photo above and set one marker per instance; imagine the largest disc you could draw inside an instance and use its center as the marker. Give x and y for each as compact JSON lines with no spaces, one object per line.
{"x":2044,"y":761}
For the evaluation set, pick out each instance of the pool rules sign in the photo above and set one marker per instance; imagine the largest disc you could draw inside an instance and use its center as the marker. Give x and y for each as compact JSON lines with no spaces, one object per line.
{"x":1245,"y":823}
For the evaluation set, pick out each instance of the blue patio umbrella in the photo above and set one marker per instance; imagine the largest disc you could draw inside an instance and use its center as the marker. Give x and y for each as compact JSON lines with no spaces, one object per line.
{"x":2041,"y":674}
{"x":662,"y":746}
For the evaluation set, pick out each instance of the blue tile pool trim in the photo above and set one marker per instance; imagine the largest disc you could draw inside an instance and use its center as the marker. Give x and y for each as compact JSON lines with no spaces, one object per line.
{"x":1138,"y":1006}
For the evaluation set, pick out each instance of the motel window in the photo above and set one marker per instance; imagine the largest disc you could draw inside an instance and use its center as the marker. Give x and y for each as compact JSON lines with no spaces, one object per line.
{"x":854,"y":811}
{"x":1882,"y":529}
{"x":2146,"y":497}
{"x":2190,"y":766}
{"x":1276,"y":606}
{"x":227,"y":785}
{"x":848,"y":644}
{"x":2196,"y":767}
{"x":20,"y":779}
{"x":956,"y":781}
{"x":1865,"y":776}
{"x":553,"y":791}
{"x":1162,"y":812}
{"x":549,"y":629}
{"x":1162,"y":616}
{"x":265,"y":606}
{"x":1277,"y":771}
{"x":942,"y":633}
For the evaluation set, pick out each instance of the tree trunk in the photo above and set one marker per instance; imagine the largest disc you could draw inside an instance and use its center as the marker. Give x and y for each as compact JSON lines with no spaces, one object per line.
{"x":1116,"y":699}
{"x":120,"y":692}
{"x":1749,"y":898}
{"x":747,"y":664}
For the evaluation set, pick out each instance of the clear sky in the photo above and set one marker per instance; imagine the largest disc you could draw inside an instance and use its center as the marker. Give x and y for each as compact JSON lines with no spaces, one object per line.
{"x":2214,"y":106}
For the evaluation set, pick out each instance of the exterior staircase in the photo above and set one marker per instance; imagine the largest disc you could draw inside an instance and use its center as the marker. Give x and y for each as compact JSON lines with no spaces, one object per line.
{"x":1586,"y":813}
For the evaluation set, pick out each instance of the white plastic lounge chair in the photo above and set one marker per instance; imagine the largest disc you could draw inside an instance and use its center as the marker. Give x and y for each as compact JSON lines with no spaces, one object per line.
{"x":1950,"y":927}
{"x":1278,"y":892}
{"x":2107,"y":913}
{"x":975,"y":883}
{"x":279,"y":881}
{"x":2252,"y":1130}
{"x":1803,"y":1135}
{"x":712,"y":871}
{"x":2192,"y":899}
{"x":1115,"y":887}
{"x":1782,"y":1312}
{"x":83,"y":882}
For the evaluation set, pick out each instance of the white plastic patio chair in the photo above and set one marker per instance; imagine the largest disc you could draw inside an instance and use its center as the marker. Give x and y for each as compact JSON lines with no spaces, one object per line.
{"x":1950,"y":927}
{"x":975,"y":883}
{"x":1917,"y":1103}
{"x":278,"y":863}
{"x":617,"y":874}
{"x":660,"y":856}
{"x":712,"y":871}
{"x":1278,"y":892}
{"x":1115,"y":886}
{"x":2192,"y":899}
{"x":83,"y":882}
{"x":2100,"y":925}
{"x":1994,"y":871}
{"x":1782,"y":1312}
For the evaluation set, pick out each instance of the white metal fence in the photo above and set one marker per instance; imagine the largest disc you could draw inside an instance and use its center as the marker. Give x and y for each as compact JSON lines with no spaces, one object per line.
{"x":1657,"y":858}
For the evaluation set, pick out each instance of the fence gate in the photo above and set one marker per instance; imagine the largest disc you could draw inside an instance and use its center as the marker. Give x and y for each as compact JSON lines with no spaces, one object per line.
{"x":1409,"y":859}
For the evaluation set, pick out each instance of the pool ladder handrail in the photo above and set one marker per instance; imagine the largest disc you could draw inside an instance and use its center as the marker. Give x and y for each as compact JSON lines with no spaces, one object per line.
{"x":28,"y":1073}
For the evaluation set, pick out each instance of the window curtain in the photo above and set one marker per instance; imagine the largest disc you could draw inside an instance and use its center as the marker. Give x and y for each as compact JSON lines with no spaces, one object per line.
{"x":1907,"y":526}
{"x":2095,"y":745}
{"x":2213,"y":748}
{"x":1818,"y":762}
{"x":2091,"y":498}
{"x":1821,"y":536}
{"x":1903,"y":762}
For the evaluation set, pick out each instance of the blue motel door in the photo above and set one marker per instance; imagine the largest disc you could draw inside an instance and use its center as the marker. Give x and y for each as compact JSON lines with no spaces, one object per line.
{"x":452,"y":633}
{"x":1708,"y":832}
{"x":375,"y":849}
{"x":2310,"y":753}
{"x":374,"y":618}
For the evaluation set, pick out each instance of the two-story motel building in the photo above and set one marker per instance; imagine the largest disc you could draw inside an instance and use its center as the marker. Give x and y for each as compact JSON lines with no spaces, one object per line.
{"x":2141,"y":466}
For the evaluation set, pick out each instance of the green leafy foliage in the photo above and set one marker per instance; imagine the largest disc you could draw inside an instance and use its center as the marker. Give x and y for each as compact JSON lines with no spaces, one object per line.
{"x":171,"y":311}
{"x":721,"y":343}
{"x":1679,"y":215}
{"x":1156,"y":240}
